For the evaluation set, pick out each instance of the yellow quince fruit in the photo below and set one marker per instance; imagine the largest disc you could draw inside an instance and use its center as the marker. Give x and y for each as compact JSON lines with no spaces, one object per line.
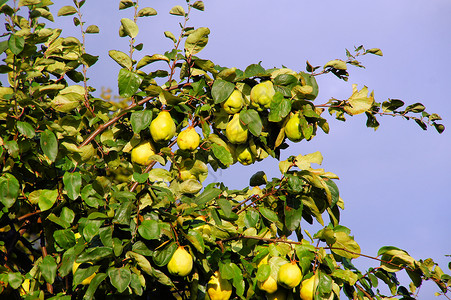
{"x":142,"y":153}
{"x":235,"y":132}
{"x":181,"y":262}
{"x":188,"y":139}
{"x":162,"y":128}
{"x":262,"y":95}
{"x":289,"y":275}
{"x":219,"y":288}
{"x":234,"y":103}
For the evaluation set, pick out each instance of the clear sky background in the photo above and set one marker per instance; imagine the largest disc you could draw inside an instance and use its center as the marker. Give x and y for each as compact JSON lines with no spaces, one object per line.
{"x":395,"y":181}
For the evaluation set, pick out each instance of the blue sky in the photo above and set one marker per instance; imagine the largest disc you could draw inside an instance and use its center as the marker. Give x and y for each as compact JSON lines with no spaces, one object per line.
{"x":394,"y":181}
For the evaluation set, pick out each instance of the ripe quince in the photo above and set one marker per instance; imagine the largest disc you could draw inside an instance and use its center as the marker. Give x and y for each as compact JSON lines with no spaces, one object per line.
{"x":188,"y":139}
{"x":262,"y":94}
{"x":293,"y":129}
{"x":162,"y":128}
{"x":289,"y":275}
{"x":269,"y":285}
{"x":142,"y":153}
{"x":234,"y":103}
{"x":219,"y":288}
{"x":181,"y":262}
{"x":235,"y":131}
{"x":308,"y":287}
{"x":244,"y":155}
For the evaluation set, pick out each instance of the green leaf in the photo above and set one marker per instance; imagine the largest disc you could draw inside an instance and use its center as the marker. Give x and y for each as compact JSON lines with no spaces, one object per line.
{"x":280,"y":108}
{"x":196,"y":41}
{"x":269,"y":214}
{"x":120,"y":278}
{"x":121,"y":58}
{"x":15,"y":279}
{"x":16,"y":44}
{"x":92,"y":29}
{"x":72,"y":184}
{"x":94,"y":254}
{"x":221,"y":153}
{"x":199,"y":5}
{"x":252,"y":120}
{"x":140,"y":120}
{"x":293,"y":215}
{"x":147,"y":12}
{"x":67,"y":11}
{"x":225,"y":206}
{"x":142,"y":261}
{"x":375,"y":51}
{"x":254,"y":70}
{"x":221,"y":90}
{"x":95,"y":282}
{"x":149,"y":229}
{"x":263,"y":272}
{"x":336,"y":64}
{"x":207,"y":195}
{"x":258,"y":178}
{"x":26,"y":129}
{"x":48,"y":268}
{"x":163,"y":255}
{"x":177,"y":11}
{"x":47,"y":198}
{"x":123,"y":214}
{"x":348,"y":248}
{"x":49,"y":144}
{"x":65,"y":238}
{"x":9,"y":190}
{"x":123,"y":4}
{"x":170,"y":36}
{"x":345,"y":275}
{"x":196,"y":239}
{"x":251,"y":218}
{"x":150,"y":59}
{"x":88,"y":59}
{"x":128,"y":82}
{"x":130,"y":28}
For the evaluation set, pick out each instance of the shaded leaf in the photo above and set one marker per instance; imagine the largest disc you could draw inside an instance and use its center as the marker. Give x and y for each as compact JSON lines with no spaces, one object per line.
{"x":9,"y":190}
{"x":48,"y":268}
{"x":120,"y":278}
{"x":49,"y":144}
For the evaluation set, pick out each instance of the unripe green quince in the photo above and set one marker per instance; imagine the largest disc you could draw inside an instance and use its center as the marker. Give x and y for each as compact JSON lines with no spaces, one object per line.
{"x":142,"y":153}
{"x":262,"y":94}
{"x":244,"y":155}
{"x":289,"y":275}
{"x":162,"y":128}
{"x":234,"y":103}
{"x":188,"y":139}
{"x":181,"y":262}
{"x":235,"y":131}
{"x":293,"y":129}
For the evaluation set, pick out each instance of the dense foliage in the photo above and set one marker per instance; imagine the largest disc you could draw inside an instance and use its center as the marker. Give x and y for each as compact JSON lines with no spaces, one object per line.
{"x":104,"y":199}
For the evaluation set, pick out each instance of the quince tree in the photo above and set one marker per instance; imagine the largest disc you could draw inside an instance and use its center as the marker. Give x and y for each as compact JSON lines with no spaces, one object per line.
{"x":107,"y":199}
